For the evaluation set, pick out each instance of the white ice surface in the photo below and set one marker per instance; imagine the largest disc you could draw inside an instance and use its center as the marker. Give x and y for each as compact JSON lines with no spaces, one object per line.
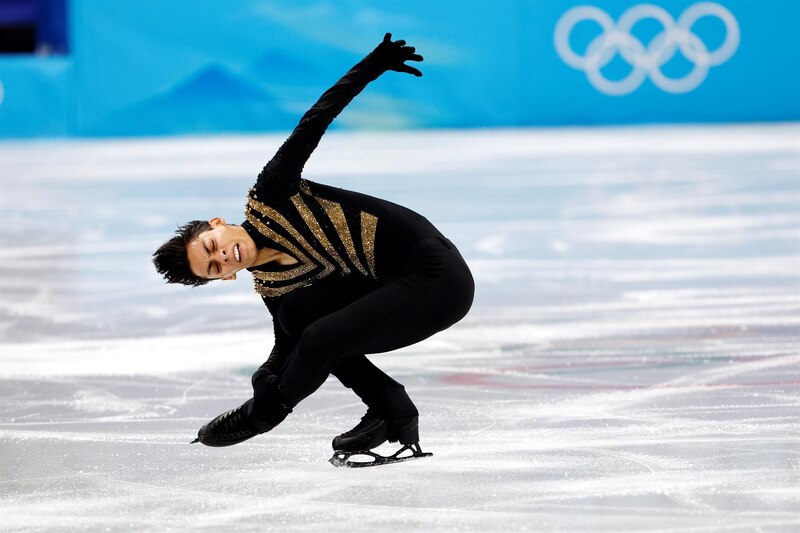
{"x":631,"y":361}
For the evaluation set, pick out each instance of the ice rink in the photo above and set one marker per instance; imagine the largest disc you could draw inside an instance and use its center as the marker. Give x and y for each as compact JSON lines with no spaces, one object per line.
{"x":631,"y":361}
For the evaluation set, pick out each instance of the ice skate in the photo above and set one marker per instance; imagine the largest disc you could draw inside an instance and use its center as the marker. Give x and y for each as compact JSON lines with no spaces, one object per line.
{"x":237,"y":425}
{"x":229,"y":428}
{"x":370,"y":433}
{"x":403,"y":430}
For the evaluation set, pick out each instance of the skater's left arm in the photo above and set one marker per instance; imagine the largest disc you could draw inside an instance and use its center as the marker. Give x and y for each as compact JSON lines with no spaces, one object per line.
{"x":282,"y":174}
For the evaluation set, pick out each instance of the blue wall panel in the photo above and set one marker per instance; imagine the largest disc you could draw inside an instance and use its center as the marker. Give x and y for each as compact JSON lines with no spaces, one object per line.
{"x":196,"y":66}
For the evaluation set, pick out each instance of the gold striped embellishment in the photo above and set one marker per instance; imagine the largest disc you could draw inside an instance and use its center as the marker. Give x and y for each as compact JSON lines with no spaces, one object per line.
{"x":280,"y":219}
{"x":369,"y":224}
{"x":313,"y":225}
{"x":283,"y":275}
{"x":268,"y":232}
{"x":272,"y":292}
{"x":336,"y":214}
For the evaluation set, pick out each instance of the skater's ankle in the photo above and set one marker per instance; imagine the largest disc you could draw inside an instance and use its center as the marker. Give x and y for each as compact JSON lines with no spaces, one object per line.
{"x":404,"y":429}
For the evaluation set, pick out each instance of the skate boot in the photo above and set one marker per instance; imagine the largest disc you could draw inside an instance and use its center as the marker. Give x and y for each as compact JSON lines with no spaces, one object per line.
{"x":231,"y":427}
{"x":240,"y":424}
{"x":405,"y":430}
{"x":369,"y":433}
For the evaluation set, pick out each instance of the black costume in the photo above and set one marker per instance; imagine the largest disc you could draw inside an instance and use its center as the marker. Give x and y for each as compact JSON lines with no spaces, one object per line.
{"x":371,"y":276}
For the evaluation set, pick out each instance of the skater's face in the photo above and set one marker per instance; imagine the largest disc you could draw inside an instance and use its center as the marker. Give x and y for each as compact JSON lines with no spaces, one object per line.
{"x":220,"y":252}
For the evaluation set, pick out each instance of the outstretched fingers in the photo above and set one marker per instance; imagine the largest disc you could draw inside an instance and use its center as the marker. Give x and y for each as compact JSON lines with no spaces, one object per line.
{"x":410,"y":70}
{"x":409,"y":55}
{"x":395,"y":53}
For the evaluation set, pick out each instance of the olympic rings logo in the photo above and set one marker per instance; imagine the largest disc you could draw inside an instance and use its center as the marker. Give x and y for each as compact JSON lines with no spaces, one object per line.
{"x":646,"y":60}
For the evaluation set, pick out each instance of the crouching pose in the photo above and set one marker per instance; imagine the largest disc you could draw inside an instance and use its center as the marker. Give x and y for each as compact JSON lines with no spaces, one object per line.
{"x":343,"y":275}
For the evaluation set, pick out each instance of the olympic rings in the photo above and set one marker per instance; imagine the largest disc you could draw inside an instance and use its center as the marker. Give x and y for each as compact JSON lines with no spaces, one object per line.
{"x":616,"y":38}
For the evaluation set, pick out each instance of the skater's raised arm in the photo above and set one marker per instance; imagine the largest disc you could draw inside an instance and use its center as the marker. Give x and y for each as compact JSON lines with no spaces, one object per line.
{"x":282,"y":173}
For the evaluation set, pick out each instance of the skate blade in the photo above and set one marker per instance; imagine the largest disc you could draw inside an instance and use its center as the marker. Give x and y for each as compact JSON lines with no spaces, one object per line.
{"x":367,"y":458}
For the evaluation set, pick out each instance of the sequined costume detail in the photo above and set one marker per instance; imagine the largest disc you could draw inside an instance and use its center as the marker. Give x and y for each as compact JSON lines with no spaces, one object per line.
{"x":336,"y":214}
{"x":313,"y":225}
{"x":309,"y":243}
{"x":369,"y":225}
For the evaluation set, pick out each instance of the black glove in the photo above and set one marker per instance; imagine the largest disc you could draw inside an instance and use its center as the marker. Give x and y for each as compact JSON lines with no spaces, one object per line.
{"x":262,"y":373}
{"x":392,"y":55}
{"x":266,"y":410}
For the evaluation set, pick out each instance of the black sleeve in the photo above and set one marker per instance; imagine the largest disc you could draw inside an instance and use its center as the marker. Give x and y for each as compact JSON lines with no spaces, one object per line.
{"x":282,"y":174}
{"x":280,"y":351}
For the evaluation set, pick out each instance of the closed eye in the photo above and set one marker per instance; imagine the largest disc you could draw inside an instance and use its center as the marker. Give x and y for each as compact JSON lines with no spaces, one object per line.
{"x":217,"y":266}
{"x":208,"y":253}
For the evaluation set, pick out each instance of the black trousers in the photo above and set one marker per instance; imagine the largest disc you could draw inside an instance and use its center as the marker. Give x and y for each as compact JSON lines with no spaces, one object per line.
{"x":336,"y":322}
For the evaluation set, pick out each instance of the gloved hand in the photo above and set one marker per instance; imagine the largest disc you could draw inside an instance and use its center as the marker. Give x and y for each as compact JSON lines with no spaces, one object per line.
{"x":266,"y":410}
{"x":262,"y":373}
{"x":392,"y":55}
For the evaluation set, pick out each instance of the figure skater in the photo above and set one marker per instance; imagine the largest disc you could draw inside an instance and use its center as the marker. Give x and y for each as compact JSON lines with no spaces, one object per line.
{"x":343,"y":275}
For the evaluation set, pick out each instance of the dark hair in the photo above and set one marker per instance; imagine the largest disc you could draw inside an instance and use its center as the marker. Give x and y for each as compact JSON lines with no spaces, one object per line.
{"x":172,"y":260}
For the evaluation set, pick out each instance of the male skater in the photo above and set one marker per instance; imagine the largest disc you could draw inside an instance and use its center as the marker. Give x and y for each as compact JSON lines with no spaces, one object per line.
{"x":343,"y":275}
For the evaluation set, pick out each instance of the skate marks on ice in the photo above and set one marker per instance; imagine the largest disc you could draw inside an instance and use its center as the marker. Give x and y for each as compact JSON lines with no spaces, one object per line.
{"x":723,"y":456}
{"x":107,"y":466}
{"x":507,"y":458}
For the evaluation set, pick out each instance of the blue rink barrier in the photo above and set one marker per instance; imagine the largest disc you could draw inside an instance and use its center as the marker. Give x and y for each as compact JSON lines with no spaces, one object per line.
{"x":203,"y":66}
